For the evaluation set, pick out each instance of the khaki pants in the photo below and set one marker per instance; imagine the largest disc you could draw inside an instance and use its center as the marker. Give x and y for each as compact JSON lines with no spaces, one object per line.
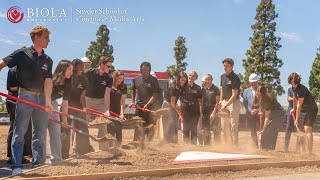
{"x":229,"y":125}
{"x":97,"y":104}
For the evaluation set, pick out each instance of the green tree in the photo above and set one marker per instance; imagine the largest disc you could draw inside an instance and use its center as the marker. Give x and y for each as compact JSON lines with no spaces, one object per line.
{"x":314,"y":79}
{"x":100,"y":47}
{"x":180,"y":51}
{"x":262,"y":56}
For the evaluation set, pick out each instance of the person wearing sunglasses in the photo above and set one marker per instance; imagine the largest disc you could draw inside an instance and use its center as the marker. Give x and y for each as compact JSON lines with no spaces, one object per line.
{"x":99,"y":85}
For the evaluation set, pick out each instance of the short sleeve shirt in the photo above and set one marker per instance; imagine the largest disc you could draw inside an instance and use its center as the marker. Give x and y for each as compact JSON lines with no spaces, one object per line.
{"x":12,"y":81}
{"x":79,"y":85}
{"x":145,"y":88}
{"x":61,"y":91}
{"x":191,"y":96}
{"x":309,"y":103}
{"x":228,"y":83}
{"x":173,"y":91}
{"x":31,"y":68}
{"x":209,"y":96}
{"x":115,"y":98}
{"x":271,"y":104}
{"x":96,"y":84}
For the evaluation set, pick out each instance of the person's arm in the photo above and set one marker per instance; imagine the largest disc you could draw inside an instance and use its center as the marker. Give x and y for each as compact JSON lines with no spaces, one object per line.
{"x":82,"y":98}
{"x":290,"y":98}
{"x":213,"y":114}
{"x":266,"y":121}
{"x":123,"y":104}
{"x":151,"y":100}
{"x":64,"y":107}
{"x":14,"y":88}
{"x":294,"y":105}
{"x":133,"y":96}
{"x":155,"y":93}
{"x":47,"y":93}
{"x":232,"y":98}
{"x":173,"y":104}
{"x":2,"y":64}
{"x":107,"y":100}
{"x":298,"y":110}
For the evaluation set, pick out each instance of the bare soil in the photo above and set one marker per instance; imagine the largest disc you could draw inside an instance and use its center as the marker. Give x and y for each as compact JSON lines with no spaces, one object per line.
{"x":157,"y":155}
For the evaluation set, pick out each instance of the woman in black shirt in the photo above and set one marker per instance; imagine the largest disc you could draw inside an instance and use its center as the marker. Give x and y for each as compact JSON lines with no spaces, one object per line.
{"x":170,"y":123}
{"x":274,"y":115}
{"x":61,"y":88}
{"x":118,"y":96}
{"x":81,"y":144}
{"x":191,"y":108}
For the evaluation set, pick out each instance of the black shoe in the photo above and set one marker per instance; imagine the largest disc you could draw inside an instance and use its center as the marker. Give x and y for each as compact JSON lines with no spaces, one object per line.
{"x":9,"y":161}
{"x":25,"y":160}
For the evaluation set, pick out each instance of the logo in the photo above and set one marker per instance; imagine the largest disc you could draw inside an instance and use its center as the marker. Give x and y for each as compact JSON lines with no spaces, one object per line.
{"x":80,"y":86}
{"x":61,"y":92}
{"x":104,"y":83}
{"x":45,"y":67}
{"x":14,"y":15}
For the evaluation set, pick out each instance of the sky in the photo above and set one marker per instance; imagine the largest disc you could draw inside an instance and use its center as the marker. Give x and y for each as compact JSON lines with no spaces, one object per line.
{"x":146,"y":31}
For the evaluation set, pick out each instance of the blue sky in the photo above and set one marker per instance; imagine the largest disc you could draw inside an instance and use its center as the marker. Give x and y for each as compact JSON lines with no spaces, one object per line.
{"x":214,"y":30}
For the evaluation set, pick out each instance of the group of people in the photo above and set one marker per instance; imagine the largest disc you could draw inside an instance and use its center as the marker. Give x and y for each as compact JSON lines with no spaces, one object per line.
{"x":79,"y":86}
{"x":30,"y":78}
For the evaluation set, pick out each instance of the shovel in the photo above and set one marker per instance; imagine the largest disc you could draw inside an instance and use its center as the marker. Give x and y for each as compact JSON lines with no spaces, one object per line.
{"x":42,"y":107}
{"x":105,"y":138}
{"x":222,"y":114}
{"x":300,"y":135}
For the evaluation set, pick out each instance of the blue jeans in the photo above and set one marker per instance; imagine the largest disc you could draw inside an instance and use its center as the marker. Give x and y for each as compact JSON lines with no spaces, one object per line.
{"x":39,"y":130}
{"x":289,"y":129}
{"x":55,"y":135}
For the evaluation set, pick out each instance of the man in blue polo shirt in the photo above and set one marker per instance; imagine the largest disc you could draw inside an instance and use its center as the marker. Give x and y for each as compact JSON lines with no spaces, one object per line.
{"x":34,"y":75}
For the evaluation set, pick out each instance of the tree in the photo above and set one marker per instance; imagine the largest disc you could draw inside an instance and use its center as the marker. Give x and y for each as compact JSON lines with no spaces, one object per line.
{"x":262,"y":56}
{"x":180,"y":51}
{"x":314,"y":79}
{"x":100,"y":47}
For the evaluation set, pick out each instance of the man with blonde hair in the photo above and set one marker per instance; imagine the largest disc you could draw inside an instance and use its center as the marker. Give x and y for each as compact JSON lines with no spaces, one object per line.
{"x":34,"y":74}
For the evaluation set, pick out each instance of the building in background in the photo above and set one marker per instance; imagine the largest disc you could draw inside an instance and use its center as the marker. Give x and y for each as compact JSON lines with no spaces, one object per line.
{"x":163,"y":79}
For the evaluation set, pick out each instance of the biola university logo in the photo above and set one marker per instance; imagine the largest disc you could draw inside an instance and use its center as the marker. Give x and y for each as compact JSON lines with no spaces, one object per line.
{"x":15,"y":14}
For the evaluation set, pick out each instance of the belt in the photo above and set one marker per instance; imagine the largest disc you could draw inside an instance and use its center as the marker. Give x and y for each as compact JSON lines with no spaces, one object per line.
{"x":34,"y":93}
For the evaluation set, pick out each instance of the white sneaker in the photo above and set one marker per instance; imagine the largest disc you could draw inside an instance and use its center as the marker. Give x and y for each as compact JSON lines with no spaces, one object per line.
{"x":16,"y":171}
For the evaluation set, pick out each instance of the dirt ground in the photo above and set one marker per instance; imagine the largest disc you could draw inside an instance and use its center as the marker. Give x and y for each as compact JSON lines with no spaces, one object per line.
{"x":158,"y":155}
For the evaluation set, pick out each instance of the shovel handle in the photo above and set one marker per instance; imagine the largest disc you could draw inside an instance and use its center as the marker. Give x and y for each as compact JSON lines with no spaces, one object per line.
{"x":41,"y":107}
{"x":142,"y":109}
{"x":295,"y":120}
